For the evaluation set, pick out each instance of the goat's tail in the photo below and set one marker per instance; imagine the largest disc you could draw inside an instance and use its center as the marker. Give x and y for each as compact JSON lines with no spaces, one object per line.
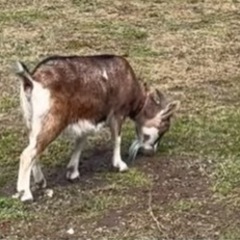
{"x":25,"y":91}
{"x":22,"y":71}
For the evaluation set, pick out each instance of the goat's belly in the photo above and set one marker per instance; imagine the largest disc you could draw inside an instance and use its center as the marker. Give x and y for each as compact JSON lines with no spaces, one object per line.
{"x":84,"y":127}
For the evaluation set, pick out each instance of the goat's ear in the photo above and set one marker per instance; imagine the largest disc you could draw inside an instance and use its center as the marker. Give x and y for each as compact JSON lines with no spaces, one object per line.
{"x":160,"y":95}
{"x":159,"y":98}
{"x":169,"y":110}
{"x":145,"y":87}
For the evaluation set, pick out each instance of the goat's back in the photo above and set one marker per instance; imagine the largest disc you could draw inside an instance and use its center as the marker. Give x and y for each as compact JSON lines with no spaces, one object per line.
{"x":90,"y":87}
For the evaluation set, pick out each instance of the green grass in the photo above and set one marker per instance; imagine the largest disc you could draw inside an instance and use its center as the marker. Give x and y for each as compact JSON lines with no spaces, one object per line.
{"x":12,"y":209}
{"x":184,"y":205}
{"x":57,"y":154}
{"x":7,"y":103}
{"x":226,"y":175}
{"x":213,"y":137}
{"x":230,"y":234}
{"x":6,"y":175}
{"x":142,"y":51}
{"x":96,"y":203}
{"x":22,"y":16}
{"x":132,"y":178}
{"x":121,"y":30}
{"x":10,"y":147}
{"x":85,"y":5}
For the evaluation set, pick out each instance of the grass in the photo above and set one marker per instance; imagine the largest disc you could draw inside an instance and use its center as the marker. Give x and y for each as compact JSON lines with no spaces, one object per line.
{"x":57,"y":154}
{"x":7,"y":103}
{"x":206,"y":135}
{"x":10,"y":147}
{"x":213,"y":138}
{"x":6,"y":175}
{"x":188,"y":49}
{"x":226,"y":176}
{"x":122,"y":30}
{"x":23,"y":16}
{"x":133,"y":178}
{"x":95,"y":205}
{"x":230,"y":234}
{"x":12,"y":209}
{"x":85,"y":6}
{"x":184,"y":205}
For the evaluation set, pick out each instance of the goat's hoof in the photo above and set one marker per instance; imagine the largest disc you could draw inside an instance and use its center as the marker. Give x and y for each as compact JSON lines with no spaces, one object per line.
{"x":27,"y":197}
{"x":72,"y":174}
{"x":24,"y":197}
{"x":122,"y":167}
{"x":41,"y":184}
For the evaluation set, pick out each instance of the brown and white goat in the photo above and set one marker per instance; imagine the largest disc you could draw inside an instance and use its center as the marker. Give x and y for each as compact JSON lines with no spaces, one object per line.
{"x":81,"y":94}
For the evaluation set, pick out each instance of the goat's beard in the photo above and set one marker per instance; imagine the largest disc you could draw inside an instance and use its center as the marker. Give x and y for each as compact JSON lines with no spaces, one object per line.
{"x":134,"y":149}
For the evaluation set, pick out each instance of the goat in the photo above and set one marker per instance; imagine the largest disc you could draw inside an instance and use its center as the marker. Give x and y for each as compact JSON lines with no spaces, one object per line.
{"x":81,"y":94}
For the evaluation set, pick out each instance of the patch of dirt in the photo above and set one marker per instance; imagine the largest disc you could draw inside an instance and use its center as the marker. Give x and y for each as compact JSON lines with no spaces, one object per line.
{"x":173,"y":181}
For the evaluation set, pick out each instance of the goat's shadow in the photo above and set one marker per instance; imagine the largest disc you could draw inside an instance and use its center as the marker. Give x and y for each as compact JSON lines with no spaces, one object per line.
{"x":92,"y":162}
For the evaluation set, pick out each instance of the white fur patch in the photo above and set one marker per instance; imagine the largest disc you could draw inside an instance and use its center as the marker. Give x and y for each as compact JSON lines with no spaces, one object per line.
{"x":84,"y":127}
{"x":35,"y":103}
{"x":40,"y":100}
{"x":117,"y":160}
{"x":152,"y":132}
{"x":105,"y":74}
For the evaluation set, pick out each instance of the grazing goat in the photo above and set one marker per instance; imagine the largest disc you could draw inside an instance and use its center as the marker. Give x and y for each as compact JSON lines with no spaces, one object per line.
{"x":81,"y":94}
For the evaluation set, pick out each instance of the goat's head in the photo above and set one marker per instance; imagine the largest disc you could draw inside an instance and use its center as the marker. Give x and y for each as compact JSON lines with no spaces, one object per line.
{"x":152,"y":123}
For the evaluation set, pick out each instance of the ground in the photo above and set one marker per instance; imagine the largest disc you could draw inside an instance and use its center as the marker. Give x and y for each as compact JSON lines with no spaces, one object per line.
{"x":190,"y":189}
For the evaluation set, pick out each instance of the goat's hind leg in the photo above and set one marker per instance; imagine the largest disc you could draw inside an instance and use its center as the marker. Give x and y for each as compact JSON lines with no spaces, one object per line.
{"x":72,"y":167}
{"x":38,"y":176}
{"x":26,"y":162}
{"x":42,"y":134}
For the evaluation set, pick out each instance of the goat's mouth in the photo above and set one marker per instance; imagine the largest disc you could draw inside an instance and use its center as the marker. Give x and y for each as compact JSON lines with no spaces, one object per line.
{"x":149,"y":152}
{"x":139,"y":147}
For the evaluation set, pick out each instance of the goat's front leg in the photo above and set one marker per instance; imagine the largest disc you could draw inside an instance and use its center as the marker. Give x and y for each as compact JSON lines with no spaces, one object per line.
{"x":115,"y":127}
{"x":72,"y":167}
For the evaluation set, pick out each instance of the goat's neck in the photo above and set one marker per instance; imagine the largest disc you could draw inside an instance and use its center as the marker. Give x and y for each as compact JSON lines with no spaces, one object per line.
{"x":139,"y":105}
